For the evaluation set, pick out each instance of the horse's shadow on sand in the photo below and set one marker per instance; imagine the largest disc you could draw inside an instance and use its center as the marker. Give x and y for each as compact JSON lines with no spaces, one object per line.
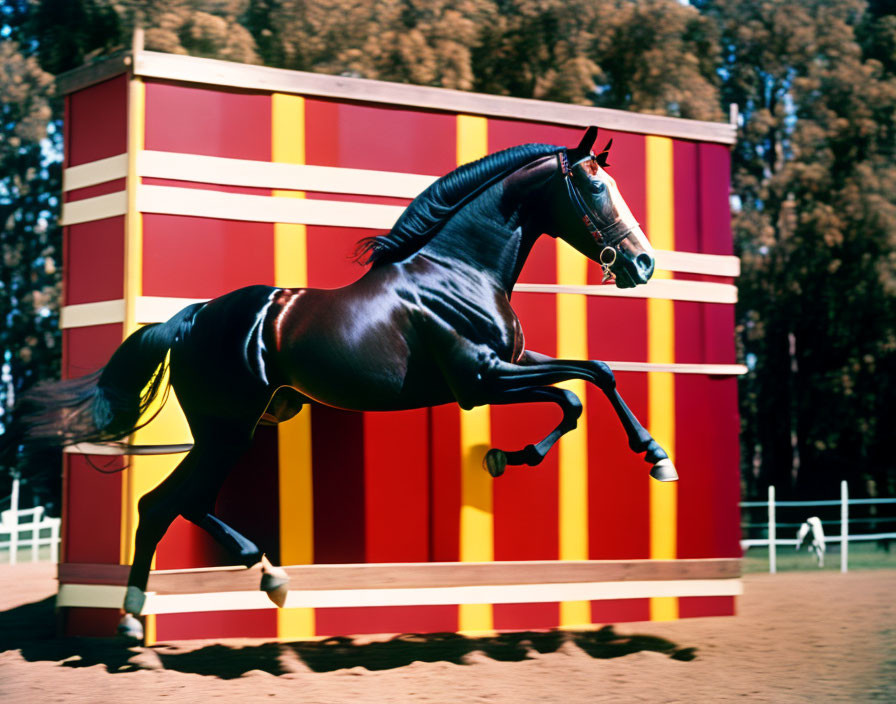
{"x":30,"y":629}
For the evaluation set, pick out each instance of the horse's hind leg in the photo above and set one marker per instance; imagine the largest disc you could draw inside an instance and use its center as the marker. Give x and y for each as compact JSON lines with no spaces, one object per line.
{"x":191,"y":490}
{"x":156,"y":510}
{"x":274,"y":580}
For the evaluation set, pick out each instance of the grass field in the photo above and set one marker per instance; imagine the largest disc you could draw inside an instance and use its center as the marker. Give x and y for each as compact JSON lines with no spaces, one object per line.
{"x":862,"y":556}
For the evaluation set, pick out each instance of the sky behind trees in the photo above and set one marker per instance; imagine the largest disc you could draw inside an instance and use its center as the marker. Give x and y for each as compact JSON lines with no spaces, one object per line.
{"x":813,"y":170}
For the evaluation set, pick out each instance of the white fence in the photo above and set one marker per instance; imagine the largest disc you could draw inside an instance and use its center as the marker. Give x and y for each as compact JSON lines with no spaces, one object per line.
{"x":28,"y":528}
{"x":844,"y":538}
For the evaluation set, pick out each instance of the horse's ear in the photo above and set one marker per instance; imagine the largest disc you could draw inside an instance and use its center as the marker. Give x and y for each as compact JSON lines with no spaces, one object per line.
{"x":587,"y":141}
{"x":602,"y":157}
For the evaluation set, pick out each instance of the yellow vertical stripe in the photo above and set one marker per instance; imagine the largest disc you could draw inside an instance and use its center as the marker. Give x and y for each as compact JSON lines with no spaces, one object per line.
{"x":476,"y":511}
{"x":472,"y":138}
{"x":133,"y":284}
{"x":293,"y":436}
{"x":572,"y":343}
{"x":661,"y":349}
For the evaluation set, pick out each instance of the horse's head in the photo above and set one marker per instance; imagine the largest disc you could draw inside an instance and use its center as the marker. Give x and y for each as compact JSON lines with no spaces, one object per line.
{"x":596,"y":220}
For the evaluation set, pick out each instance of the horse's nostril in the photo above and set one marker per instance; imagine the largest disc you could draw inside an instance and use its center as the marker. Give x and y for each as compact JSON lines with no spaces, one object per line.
{"x":645,"y":265}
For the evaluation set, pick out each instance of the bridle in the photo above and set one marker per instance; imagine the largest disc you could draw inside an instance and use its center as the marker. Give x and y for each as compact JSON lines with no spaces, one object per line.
{"x":610,"y":236}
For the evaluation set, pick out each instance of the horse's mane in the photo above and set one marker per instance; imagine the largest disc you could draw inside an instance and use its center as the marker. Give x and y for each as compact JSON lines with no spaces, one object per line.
{"x":429,"y":211}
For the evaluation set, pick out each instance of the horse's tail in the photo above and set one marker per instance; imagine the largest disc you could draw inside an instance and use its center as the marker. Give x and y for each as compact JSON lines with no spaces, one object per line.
{"x":105,"y":405}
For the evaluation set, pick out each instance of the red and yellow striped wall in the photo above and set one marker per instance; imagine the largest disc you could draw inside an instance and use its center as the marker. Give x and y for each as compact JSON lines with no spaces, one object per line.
{"x":187,"y":189}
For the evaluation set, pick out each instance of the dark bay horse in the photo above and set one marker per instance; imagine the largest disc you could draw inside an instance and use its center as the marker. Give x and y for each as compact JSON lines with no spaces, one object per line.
{"x":429,"y":323}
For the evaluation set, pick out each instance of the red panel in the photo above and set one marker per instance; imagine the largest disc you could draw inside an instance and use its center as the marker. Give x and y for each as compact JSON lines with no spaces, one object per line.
{"x":706,"y":457}
{"x":619,"y":511}
{"x":385,"y":619}
{"x":89,"y":348}
{"x":92,"y":501}
{"x":396,"y":452}
{"x":217,"y":624}
{"x":210,"y":121}
{"x":330,"y":255}
{"x":94,"y":269}
{"x":619,"y":610}
{"x":185,"y":545}
{"x":526,"y":617}
{"x":337,"y":461}
{"x":694,"y":606}
{"x":445,"y":462}
{"x":715,"y":190}
{"x":718,"y":341}
{"x":541,"y":265}
{"x":98,"y":121}
{"x":100,"y":189}
{"x":96,"y":623}
{"x":726,"y":447}
{"x":686,"y":196}
{"x":526,"y":498}
{"x":618,"y":500}
{"x":503,"y":134}
{"x":380,"y":137}
{"x":92,"y":510}
{"x":203,"y":258}
{"x":690,"y":343}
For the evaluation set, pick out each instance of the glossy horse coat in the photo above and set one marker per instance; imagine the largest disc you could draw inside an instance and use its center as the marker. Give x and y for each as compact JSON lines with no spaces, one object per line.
{"x":429,"y":323}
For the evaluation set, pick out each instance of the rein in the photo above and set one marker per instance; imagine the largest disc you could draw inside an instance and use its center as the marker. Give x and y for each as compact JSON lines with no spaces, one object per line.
{"x":611,"y":235}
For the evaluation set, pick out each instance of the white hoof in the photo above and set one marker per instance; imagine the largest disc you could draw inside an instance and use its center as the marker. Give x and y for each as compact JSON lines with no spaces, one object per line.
{"x":274,"y":582}
{"x":664,"y":471}
{"x":130,"y":627}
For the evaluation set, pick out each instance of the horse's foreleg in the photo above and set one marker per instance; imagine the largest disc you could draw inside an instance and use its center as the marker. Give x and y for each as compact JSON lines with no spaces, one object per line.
{"x":496,"y":460}
{"x":536,"y":369}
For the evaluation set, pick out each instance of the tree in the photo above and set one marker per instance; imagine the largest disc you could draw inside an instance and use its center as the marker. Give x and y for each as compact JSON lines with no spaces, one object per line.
{"x":815,"y":230}
{"x":30,"y":244}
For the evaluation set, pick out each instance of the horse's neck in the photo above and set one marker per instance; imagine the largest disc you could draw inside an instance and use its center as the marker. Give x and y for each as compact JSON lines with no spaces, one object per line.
{"x":494,"y":234}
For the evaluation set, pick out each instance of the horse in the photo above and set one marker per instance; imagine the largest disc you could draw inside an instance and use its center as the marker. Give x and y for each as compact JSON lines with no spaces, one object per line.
{"x":429,"y":323}
{"x":817,"y":544}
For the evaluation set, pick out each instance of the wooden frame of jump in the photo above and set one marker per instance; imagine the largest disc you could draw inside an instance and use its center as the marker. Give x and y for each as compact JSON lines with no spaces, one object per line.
{"x":568,"y":581}
{"x":406,"y":584}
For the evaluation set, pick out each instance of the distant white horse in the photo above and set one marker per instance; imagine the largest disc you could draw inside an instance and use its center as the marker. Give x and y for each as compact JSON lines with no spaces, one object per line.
{"x":817,"y":545}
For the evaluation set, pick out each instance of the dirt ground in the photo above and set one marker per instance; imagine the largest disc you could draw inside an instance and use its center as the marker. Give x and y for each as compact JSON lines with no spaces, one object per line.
{"x":799,"y":637}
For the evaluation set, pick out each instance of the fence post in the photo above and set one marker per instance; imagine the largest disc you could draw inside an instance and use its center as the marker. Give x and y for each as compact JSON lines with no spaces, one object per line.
{"x":772,"y":532}
{"x":35,"y":538}
{"x":14,"y":517}
{"x":844,"y":526}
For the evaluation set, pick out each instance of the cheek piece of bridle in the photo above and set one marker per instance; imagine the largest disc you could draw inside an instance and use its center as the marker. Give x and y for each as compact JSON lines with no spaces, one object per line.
{"x":611,"y":235}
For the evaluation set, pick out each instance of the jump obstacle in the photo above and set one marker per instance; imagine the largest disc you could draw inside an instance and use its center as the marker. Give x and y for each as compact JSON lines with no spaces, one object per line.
{"x":388,"y":521}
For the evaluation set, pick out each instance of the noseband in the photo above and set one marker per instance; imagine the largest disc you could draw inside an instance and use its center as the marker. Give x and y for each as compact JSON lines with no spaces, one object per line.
{"x":611,"y":235}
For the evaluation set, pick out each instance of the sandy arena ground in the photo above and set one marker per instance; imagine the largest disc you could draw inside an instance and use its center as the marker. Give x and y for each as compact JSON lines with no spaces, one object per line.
{"x":799,"y":637}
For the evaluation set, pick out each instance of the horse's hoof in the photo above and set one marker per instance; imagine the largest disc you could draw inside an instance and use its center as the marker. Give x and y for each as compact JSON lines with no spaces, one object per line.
{"x":664,"y":471}
{"x":495,"y":462}
{"x":130,"y":627}
{"x":134,"y":599}
{"x":276,"y":586}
